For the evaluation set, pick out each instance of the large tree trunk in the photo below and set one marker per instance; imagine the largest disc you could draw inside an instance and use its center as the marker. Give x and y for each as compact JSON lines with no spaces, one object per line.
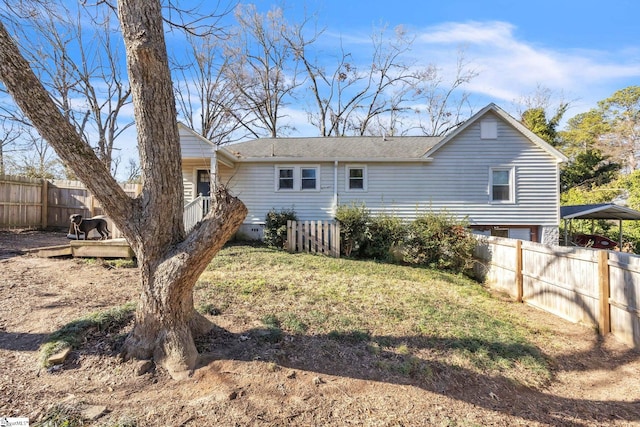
{"x":170,"y":262}
{"x":166,"y":321}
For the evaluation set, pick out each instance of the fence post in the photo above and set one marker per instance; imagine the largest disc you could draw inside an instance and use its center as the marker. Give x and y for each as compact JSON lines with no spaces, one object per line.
{"x":335,"y":240}
{"x":312,"y":237}
{"x":325,"y":237}
{"x":604,"y":324}
{"x":44,"y":212}
{"x":519,"y":278}
{"x":291,"y":236}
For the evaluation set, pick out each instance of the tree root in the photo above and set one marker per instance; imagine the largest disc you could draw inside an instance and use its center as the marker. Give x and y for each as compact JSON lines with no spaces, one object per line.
{"x":170,"y":348}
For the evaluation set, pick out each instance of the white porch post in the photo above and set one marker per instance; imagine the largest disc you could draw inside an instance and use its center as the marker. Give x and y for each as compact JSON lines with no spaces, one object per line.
{"x":213,"y":171}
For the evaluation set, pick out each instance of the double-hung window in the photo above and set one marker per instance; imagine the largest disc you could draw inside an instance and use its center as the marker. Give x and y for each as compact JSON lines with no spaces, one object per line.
{"x":308,"y":178}
{"x":356,"y":178}
{"x":501,"y":185}
{"x":297,"y":178}
{"x":285,"y":178}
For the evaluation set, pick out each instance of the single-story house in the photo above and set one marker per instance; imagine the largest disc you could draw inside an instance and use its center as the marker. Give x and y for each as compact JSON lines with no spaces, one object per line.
{"x":490,"y":170}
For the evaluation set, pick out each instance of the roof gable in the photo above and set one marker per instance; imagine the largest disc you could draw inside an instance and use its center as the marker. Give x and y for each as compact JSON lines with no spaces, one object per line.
{"x":366,"y":148}
{"x":184,"y":128}
{"x":535,"y":139}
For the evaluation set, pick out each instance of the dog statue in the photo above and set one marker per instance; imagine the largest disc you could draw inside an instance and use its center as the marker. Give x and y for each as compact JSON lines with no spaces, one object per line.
{"x":81,"y":225}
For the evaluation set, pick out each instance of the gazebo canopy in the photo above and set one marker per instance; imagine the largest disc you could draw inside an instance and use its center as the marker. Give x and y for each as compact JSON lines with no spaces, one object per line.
{"x":599,"y":211}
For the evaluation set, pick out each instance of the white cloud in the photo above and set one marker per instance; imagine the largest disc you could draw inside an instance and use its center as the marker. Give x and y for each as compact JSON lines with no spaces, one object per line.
{"x":481,"y":33}
{"x":510,"y":67}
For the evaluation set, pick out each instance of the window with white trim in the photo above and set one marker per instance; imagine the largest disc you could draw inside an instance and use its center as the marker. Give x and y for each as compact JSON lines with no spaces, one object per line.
{"x":308,"y":178}
{"x":297,"y":178}
{"x":356,"y":178}
{"x":285,"y":179}
{"x":501,"y":185}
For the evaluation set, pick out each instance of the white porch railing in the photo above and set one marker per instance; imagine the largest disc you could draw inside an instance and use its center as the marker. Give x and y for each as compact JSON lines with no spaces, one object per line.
{"x":196,"y":210}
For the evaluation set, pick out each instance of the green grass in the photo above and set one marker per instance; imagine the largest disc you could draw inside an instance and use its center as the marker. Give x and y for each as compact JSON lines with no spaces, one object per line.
{"x":68,"y":415}
{"x":61,"y":416}
{"x":423,"y":316}
{"x":72,"y":334}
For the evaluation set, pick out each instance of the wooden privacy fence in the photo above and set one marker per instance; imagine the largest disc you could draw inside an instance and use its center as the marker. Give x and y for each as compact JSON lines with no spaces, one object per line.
{"x":39,"y":203}
{"x":595,"y":287}
{"x":321,"y":237}
{"x":22,"y":202}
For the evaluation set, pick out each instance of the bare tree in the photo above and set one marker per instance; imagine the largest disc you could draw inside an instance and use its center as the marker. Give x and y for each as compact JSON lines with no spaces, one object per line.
{"x":541,"y":112}
{"x":348,"y":100}
{"x":387,"y":83}
{"x":329,"y":90}
{"x":37,"y":159}
{"x":380,"y":97}
{"x":170,"y":261}
{"x":9,"y":134}
{"x":544,"y":98}
{"x":263,"y":74}
{"x":205,"y":96}
{"x":442,"y":104}
{"x":133,"y":171}
{"x":622,"y":111}
{"x":81,"y":66}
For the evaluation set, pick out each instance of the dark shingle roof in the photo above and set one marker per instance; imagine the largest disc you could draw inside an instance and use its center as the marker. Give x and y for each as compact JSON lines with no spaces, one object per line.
{"x":334,"y":148}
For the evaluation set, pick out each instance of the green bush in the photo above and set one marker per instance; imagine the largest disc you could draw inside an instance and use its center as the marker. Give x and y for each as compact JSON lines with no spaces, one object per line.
{"x":385,"y":232}
{"x":439,"y":241}
{"x":275,"y":227}
{"x":435,"y":240}
{"x":354,"y":232}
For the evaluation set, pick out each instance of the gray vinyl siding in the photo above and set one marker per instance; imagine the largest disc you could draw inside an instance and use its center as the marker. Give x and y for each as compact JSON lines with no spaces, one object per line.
{"x":456,"y":181}
{"x":255,"y":185}
{"x":460,"y":178}
{"x":192,"y":147}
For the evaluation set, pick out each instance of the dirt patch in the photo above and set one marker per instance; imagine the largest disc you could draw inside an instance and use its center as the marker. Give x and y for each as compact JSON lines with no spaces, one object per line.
{"x":247,"y":379}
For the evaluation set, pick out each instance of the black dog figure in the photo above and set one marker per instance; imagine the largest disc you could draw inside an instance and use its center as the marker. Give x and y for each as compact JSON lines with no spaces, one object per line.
{"x":86,"y":225}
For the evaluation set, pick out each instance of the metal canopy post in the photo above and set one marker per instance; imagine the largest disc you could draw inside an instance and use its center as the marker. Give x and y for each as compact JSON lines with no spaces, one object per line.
{"x":620,"y":231}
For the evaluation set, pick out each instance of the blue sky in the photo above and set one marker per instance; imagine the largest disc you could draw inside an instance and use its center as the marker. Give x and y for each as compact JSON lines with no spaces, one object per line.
{"x":582,"y":50}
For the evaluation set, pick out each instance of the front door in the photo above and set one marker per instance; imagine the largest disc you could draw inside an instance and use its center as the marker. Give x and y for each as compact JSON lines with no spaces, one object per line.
{"x":204,"y":183}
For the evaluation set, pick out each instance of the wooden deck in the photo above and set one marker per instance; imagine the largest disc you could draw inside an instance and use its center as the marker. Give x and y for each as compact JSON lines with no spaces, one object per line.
{"x":112,"y":248}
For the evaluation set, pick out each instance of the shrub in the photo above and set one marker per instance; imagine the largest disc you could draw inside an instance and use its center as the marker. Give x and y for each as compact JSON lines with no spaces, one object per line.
{"x":439,"y":241}
{"x":385,"y":233}
{"x":354,"y":221}
{"x":275,"y":227}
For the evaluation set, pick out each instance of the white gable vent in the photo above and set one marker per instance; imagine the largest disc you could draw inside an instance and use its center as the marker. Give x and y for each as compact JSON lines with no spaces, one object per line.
{"x":488,"y":129}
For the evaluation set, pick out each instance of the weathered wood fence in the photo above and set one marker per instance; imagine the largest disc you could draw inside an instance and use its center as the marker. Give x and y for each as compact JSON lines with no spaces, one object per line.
{"x":322,"y":237}
{"x":22,"y":202}
{"x":590,"y":286}
{"x":40,"y":204}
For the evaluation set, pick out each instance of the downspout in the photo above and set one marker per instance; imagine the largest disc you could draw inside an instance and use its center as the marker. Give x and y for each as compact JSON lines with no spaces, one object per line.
{"x":335,"y":187}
